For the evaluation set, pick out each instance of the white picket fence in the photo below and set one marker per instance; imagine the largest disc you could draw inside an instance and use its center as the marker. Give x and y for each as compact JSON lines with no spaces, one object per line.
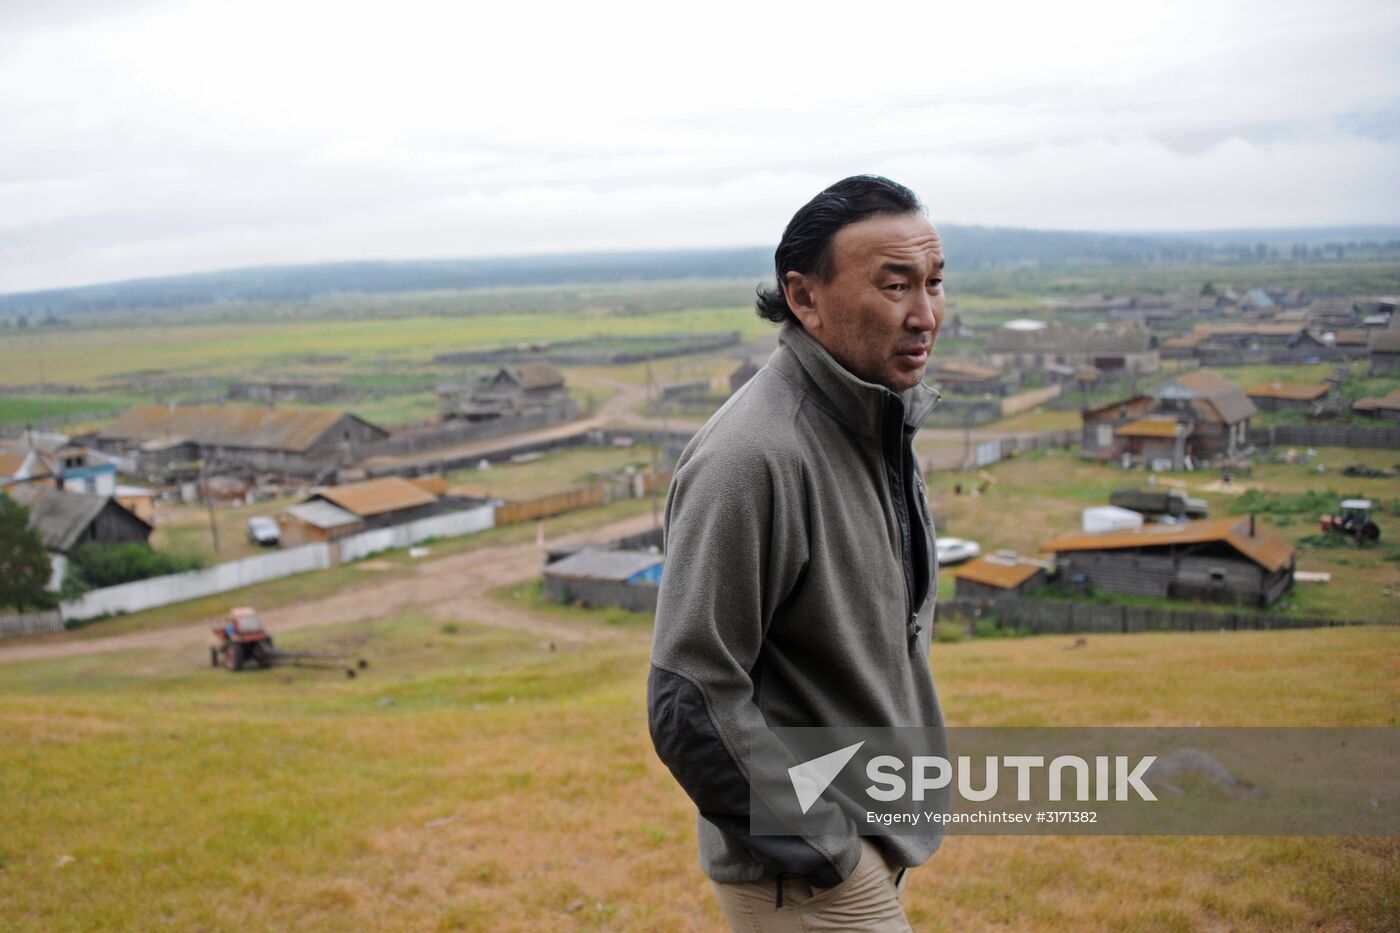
{"x":177,"y":588}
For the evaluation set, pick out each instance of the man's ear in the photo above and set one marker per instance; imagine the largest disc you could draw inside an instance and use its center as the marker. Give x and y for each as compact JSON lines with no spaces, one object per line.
{"x":801,"y":298}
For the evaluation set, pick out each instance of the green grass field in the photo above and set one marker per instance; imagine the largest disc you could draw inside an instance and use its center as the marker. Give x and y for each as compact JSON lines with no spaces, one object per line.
{"x":470,"y":779}
{"x":89,"y":355}
{"x":25,"y":409}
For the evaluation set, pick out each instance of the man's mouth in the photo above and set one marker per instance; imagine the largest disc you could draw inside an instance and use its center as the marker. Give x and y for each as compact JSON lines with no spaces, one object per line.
{"x":916,"y":355}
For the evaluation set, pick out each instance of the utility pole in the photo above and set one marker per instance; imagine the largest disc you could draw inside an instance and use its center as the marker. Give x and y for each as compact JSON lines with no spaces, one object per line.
{"x":652,"y":393}
{"x":209,"y":505}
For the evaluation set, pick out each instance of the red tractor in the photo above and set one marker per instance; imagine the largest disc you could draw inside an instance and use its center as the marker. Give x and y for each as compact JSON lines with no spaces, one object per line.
{"x":241,"y":639}
{"x":1354,"y":522}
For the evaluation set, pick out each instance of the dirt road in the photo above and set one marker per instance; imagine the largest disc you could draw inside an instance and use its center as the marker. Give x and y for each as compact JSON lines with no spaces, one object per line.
{"x":450,"y":588}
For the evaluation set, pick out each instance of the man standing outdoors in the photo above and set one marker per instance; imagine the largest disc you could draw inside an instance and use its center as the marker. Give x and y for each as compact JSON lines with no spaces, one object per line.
{"x":800,"y":574}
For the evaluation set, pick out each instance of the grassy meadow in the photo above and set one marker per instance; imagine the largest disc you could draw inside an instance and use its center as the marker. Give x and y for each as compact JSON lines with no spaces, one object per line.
{"x":92,"y":354}
{"x":473,"y":779}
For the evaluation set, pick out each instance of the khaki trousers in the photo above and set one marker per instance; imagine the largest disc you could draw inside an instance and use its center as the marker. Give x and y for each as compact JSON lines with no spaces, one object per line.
{"x":867,"y":901}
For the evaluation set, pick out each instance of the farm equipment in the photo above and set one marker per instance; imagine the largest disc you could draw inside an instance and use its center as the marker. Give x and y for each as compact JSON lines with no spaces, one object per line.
{"x":240,"y":640}
{"x":1354,"y":522}
{"x":1153,"y":502}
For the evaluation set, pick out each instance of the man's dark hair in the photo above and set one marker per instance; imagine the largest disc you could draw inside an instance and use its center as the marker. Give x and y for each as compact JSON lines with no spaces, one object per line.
{"x":806,"y":243}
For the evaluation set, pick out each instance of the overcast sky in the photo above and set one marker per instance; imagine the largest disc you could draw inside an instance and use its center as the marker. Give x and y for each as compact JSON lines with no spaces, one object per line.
{"x":143,"y":137}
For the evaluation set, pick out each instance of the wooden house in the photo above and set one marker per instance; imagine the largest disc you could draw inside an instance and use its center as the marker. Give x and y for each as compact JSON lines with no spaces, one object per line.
{"x":533,"y":387}
{"x":65,"y":520}
{"x":1226,"y":560}
{"x":1385,"y":352}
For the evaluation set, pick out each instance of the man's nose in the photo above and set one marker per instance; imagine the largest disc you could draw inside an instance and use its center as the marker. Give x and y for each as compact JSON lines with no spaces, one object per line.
{"x":924,"y":312}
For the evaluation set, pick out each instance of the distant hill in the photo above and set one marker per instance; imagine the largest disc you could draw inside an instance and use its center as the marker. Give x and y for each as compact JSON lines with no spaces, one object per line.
{"x":969,"y":247}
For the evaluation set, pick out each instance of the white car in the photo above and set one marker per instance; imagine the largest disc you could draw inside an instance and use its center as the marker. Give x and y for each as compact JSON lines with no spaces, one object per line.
{"x":956,"y":550}
{"x":263,"y":531}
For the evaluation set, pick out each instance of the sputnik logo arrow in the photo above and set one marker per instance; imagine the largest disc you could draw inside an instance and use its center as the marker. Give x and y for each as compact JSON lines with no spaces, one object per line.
{"x":812,"y":777}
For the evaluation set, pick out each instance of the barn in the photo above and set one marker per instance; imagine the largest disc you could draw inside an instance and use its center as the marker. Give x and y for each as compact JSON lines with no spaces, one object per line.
{"x":1226,"y":560}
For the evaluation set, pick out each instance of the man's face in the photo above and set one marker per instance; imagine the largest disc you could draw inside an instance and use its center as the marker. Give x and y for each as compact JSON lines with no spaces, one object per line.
{"x":879,"y":314}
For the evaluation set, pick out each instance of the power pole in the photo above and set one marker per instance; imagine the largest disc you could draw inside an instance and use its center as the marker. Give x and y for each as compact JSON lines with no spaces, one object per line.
{"x":655,"y":507}
{"x":209,"y":505}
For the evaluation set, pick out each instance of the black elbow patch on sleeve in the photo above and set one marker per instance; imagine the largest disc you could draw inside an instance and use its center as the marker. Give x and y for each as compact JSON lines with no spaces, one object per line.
{"x":688,"y":743}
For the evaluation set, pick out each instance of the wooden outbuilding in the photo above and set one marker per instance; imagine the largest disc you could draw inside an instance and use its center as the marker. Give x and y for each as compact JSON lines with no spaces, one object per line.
{"x":593,"y":578}
{"x":997,"y":576}
{"x":1227,"y":560}
{"x":1282,"y":396}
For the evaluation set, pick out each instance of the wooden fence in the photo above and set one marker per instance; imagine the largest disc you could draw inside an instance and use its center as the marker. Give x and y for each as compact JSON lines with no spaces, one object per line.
{"x":30,"y":623}
{"x":1307,"y":435}
{"x":1045,"y":616}
{"x":545,"y":506}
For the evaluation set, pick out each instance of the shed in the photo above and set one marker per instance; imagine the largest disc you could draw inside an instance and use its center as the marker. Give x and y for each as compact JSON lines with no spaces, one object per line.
{"x":1226,"y":560}
{"x":388,"y":500}
{"x":316,"y":521}
{"x":1387,"y":407}
{"x":605,"y":578}
{"x":1278,"y":396}
{"x":998,"y":576}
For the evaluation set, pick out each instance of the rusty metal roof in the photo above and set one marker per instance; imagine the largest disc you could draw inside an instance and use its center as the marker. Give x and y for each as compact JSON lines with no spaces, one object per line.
{"x":376,"y":496}
{"x":250,"y":426}
{"x":1246,"y":330}
{"x":1389,"y":402}
{"x":1294,"y":391}
{"x":1267,"y":550}
{"x":996,"y":571}
{"x":12,"y":461}
{"x":1153,"y":426}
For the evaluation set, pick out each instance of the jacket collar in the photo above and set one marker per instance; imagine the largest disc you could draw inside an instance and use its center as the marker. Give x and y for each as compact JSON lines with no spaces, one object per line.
{"x":859,"y":405}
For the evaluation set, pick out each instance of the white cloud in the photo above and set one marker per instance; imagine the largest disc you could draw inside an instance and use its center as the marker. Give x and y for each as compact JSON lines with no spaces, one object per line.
{"x":168,"y":137}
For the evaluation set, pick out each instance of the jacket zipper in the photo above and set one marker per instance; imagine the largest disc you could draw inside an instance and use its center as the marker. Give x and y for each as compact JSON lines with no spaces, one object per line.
{"x":906,"y":534}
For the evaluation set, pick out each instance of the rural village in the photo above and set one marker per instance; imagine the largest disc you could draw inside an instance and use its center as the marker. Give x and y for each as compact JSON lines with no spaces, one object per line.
{"x":451,"y":557}
{"x":1168,"y":398}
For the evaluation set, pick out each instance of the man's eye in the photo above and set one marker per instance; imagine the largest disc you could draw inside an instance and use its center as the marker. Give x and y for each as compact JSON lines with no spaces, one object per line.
{"x":897,"y":286}
{"x":935,"y":283}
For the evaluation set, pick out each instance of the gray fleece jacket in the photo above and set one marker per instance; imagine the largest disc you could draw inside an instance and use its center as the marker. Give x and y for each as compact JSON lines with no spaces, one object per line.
{"x":798,"y":590}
